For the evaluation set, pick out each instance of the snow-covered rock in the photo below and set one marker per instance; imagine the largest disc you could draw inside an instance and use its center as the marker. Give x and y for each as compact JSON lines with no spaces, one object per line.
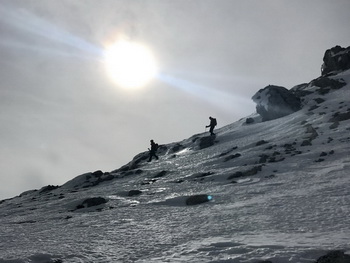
{"x":275,"y":102}
{"x":336,"y":59}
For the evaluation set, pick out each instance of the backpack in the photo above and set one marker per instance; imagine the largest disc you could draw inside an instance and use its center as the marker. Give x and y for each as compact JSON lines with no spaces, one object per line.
{"x":214,"y":122}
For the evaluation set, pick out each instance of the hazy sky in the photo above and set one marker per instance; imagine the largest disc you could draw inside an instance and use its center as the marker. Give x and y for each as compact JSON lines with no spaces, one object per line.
{"x":62,"y":115}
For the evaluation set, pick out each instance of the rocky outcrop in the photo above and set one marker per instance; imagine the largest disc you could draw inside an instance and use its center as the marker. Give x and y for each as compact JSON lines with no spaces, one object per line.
{"x":206,"y":142}
{"x":274,"y":102}
{"x":325,"y":85}
{"x":48,"y":188}
{"x":134,"y":192}
{"x":89,"y":204}
{"x":252,"y":171}
{"x":336,"y":59}
{"x":336,"y":256}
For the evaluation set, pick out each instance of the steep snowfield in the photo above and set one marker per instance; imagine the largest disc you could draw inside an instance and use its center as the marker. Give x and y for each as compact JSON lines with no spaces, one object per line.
{"x":273,"y":199}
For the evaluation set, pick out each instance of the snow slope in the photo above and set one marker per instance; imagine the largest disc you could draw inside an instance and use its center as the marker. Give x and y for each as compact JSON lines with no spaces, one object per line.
{"x":280,"y":193}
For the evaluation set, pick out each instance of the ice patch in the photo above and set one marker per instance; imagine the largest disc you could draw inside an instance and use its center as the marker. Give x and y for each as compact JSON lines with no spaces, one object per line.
{"x":184,"y":151}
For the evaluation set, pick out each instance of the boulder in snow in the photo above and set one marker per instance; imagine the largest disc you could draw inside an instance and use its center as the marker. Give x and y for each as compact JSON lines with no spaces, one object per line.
{"x":89,"y":204}
{"x":336,"y":256}
{"x":134,"y":192}
{"x":198,"y":199}
{"x":274,"y":102}
{"x":205,"y":142}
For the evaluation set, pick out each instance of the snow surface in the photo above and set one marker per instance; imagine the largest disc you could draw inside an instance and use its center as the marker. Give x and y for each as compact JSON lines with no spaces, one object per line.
{"x":293,"y":206}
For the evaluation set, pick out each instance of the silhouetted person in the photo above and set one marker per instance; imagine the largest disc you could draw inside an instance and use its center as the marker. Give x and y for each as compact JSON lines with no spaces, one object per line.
{"x":153,"y":150}
{"x":212,"y":125}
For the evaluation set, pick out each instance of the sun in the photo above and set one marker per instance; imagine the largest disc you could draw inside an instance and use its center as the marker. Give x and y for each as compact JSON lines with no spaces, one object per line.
{"x":130,"y":64}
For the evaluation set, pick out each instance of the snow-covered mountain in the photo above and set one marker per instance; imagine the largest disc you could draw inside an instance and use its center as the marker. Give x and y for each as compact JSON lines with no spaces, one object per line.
{"x":275,"y":191}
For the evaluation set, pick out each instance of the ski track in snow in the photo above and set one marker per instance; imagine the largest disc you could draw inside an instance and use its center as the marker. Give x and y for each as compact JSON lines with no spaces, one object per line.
{"x":291,"y":211}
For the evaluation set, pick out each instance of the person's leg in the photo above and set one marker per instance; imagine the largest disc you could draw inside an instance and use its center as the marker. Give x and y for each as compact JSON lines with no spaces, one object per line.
{"x":211,"y":130}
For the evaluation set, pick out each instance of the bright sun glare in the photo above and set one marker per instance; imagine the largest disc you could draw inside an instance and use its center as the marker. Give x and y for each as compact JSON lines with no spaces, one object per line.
{"x":129,"y":64}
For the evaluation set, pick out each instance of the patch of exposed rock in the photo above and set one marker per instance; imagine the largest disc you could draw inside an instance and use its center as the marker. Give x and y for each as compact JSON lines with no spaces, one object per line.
{"x":274,"y":102}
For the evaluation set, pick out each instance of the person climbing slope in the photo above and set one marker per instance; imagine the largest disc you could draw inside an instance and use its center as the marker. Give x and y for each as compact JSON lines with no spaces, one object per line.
{"x":212,"y":125}
{"x":153,"y":151}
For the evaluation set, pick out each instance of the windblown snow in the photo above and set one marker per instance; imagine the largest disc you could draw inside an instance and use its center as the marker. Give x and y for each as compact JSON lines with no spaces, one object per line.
{"x":280,"y":193}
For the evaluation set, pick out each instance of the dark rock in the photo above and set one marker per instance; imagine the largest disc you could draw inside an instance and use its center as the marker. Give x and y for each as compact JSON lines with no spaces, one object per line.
{"x":297,"y":152}
{"x":177,"y":147}
{"x":337,"y":117}
{"x":314,"y":107}
{"x":201,"y":175}
{"x":310,"y":130}
{"x":319,"y":100}
{"x":336,"y":59}
{"x":206,"y":142}
{"x":48,"y":188}
{"x":274,"y":160}
{"x":94,"y":201}
{"x":336,"y":256}
{"x":232,"y":156}
{"x":319,"y":160}
{"x":330,"y":139}
{"x":235,"y":175}
{"x":254,"y":170}
{"x":274,"y":102}
{"x":261,"y":143}
{"x":80,"y":206}
{"x":25,"y":222}
{"x":160,"y":174}
{"x":98,"y":179}
{"x":148,"y":181}
{"x":300,"y":91}
{"x":289,"y":147}
{"x":249,"y":120}
{"x":263,"y":158}
{"x":326,"y":84}
{"x":334,"y":125}
{"x":306,"y":143}
{"x":229,"y":151}
{"x":138,"y":171}
{"x":98,"y":173}
{"x":198,"y":199}
{"x":134,"y":192}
